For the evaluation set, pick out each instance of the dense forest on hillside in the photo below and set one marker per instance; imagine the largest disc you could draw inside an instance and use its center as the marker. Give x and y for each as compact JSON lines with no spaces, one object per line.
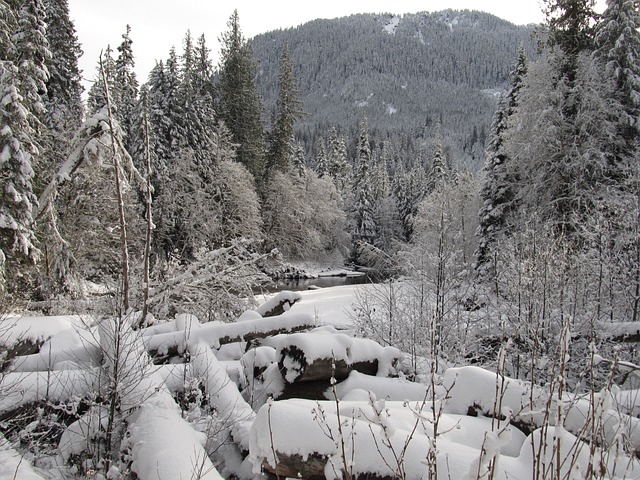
{"x":136,"y":226}
{"x":401,"y":72}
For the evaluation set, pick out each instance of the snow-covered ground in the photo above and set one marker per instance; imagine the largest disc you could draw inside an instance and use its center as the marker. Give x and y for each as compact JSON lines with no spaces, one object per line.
{"x":463,"y":423}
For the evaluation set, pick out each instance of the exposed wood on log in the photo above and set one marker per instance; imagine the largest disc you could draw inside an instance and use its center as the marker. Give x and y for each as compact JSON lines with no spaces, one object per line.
{"x":293,"y":466}
{"x":306,"y":390}
{"x":9,"y":353}
{"x":296,"y":368}
{"x":279,"y":304}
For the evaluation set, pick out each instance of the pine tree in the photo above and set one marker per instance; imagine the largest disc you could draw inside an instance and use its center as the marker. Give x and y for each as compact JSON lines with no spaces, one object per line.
{"x":409,"y":189}
{"x":8,"y":22}
{"x":97,"y":98}
{"x":363,"y":210}
{"x":17,"y":201}
{"x":439,"y":174}
{"x":198,"y":119}
{"x":31,"y":57}
{"x":498,"y":189}
{"x":320,"y":152}
{"x":570,"y":24}
{"x":338,"y":167}
{"x":126,"y":86}
{"x":239,"y":105}
{"x":618,"y":47}
{"x":298,"y":160}
{"x":288,"y":110}
{"x":64,"y":88}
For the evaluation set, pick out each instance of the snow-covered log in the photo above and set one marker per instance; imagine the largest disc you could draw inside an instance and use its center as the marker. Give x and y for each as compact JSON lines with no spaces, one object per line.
{"x":473,"y":389}
{"x":376,"y":439}
{"x":279,"y":304}
{"x":76,"y":357}
{"x":216,"y":334}
{"x":322,"y":355}
{"x":302,"y":439}
{"x":231,"y":408}
{"x":620,"y":332}
{"x":20,"y":336}
{"x":20,"y":388}
{"x":163,"y":445}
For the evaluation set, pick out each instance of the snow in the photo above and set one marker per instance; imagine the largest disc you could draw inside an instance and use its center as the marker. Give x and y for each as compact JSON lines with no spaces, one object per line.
{"x":164,"y":446}
{"x":13,"y":465}
{"x":330,"y":306}
{"x":20,"y":388}
{"x":390,"y":27}
{"x":386,"y":388}
{"x":338,"y":346}
{"x":379,"y":417}
{"x":284,"y":296}
{"x":212,"y":332}
{"x":14,"y":329}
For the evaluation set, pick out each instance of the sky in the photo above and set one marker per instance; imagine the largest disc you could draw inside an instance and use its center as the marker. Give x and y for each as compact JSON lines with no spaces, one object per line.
{"x":157,"y":25}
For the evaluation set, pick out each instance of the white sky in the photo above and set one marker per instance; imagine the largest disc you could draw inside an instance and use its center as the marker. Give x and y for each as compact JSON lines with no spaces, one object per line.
{"x":157,"y":25}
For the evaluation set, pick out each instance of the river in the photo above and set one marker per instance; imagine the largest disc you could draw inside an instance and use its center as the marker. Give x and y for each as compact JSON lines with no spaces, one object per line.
{"x":309,"y":283}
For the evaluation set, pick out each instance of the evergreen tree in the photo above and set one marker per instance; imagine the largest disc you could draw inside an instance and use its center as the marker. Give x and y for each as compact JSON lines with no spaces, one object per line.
{"x":17,"y":201}
{"x":298,"y":160}
{"x":8,"y":22}
{"x":64,"y":88}
{"x":499,"y":187}
{"x":139,"y":134}
{"x":363,"y":208}
{"x":31,"y":57}
{"x":338,"y":167}
{"x":570,"y":25}
{"x":97,"y":97}
{"x":288,"y":110}
{"x":126,"y":86}
{"x":618,"y":47}
{"x":198,"y":120}
{"x":439,"y":174}
{"x":409,"y":189}
{"x":321,"y":167}
{"x":240,"y":106}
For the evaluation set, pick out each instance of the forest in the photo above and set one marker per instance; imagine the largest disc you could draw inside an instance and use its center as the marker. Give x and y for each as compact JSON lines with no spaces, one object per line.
{"x":496,"y":336}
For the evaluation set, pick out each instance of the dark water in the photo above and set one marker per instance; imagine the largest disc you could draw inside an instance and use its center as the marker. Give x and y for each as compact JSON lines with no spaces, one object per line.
{"x":321,"y":282}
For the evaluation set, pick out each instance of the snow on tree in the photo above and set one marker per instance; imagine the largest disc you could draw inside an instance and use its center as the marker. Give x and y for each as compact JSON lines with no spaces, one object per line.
{"x":17,"y":200}
{"x":64,"y":89}
{"x":126,"y":87}
{"x":363,"y":225}
{"x":303,"y":217}
{"x":239,"y":105}
{"x":337,"y":164}
{"x":498,"y":190}
{"x":618,"y":46}
{"x":31,"y":57}
{"x":320,"y":154}
{"x":562,"y":143}
{"x":97,"y":96}
{"x":409,"y":188}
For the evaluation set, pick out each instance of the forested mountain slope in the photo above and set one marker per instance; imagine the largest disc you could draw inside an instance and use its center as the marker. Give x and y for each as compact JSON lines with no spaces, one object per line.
{"x":398,"y":71}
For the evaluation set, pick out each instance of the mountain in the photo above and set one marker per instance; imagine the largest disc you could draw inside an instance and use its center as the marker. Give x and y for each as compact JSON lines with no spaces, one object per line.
{"x":401,"y":72}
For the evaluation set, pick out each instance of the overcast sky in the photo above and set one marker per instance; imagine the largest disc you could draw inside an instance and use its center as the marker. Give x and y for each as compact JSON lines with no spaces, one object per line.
{"x":156,"y":25}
